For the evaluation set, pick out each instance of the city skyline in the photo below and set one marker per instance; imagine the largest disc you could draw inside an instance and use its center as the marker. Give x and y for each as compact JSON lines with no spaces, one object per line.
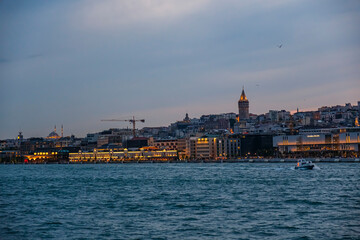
{"x":56,"y":133}
{"x":74,"y":64}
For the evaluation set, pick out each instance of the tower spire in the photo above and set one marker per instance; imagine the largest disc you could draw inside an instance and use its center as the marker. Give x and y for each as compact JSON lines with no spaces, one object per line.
{"x":62,"y":130}
{"x":55,"y":128}
{"x":243,"y":96}
{"x":243,"y":105}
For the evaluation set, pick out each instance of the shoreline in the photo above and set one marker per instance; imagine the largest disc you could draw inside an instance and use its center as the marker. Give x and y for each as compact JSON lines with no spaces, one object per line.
{"x":273,"y":160}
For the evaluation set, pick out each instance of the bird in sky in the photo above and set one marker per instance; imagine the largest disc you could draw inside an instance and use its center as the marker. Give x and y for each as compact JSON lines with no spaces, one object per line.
{"x":279,"y":46}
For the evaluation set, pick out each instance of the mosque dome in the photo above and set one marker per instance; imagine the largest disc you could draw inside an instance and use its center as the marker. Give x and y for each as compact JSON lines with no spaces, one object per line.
{"x":53,"y":135}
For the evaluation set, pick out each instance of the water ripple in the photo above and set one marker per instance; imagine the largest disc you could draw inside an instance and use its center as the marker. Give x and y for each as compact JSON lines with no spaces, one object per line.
{"x":179,"y":201}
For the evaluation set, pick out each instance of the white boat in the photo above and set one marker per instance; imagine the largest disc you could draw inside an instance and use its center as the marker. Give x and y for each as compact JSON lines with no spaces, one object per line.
{"x":304,"y":164}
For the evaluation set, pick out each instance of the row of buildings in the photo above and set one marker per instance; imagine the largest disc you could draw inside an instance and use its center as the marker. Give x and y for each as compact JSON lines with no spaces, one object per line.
{"x":326,"y":132}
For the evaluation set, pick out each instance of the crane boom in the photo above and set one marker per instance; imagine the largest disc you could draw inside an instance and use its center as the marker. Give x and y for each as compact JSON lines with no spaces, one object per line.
{"x":133,"y":121}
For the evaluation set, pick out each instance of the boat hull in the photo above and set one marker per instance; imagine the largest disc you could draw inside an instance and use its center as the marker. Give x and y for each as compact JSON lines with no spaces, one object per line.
{"x":310,"y":167}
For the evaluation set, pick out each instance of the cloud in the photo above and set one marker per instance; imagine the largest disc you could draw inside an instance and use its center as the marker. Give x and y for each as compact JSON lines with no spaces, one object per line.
{"x":110,"y":14}
{"x":114,"y":13}
{"x":158,"y":59}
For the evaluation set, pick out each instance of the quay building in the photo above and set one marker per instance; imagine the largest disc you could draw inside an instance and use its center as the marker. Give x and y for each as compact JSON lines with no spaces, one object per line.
{"x":111,"y":155}
{"x":331,"y":142}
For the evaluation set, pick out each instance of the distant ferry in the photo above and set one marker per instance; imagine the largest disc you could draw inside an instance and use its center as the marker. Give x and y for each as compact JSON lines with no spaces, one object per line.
{"x":304,"y":164}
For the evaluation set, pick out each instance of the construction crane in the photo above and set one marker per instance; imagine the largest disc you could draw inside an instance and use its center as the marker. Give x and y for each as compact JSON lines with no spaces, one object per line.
{"x":133,"y":121}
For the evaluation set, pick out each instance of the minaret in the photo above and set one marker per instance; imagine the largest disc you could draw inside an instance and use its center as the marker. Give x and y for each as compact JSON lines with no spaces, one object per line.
{"x":55,"y":129}
{"x":62,"y":131}
{"x":20,"y":137}
{"x":243,"y":105}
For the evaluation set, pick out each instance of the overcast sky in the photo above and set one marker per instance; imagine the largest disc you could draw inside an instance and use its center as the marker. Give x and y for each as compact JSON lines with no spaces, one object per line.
{"x":77,"y":62}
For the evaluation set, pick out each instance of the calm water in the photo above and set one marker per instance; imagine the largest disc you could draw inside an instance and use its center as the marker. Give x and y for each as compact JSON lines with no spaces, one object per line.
{"x":179,"y":201}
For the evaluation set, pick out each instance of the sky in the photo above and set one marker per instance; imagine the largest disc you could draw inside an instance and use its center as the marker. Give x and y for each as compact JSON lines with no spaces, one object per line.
{"x":75,"y":62}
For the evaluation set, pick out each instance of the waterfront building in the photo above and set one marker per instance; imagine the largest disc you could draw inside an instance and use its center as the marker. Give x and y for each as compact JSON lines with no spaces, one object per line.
{"x":168,"y":144}
{"x":229,"y":146}
{"x":106,"y":155}
{"x":191,"y":148}
{"x":43,"y":155}
{"x":9,"y":156}
{"x":206,"y":147}
{"x":181,"y":144}
{"x":243,"y":105}
{"x":31,"y":144}
{"x":139,"y":142}
{"x":256,"y":145}
{"x":209,"y":146}
{"x":320,"y":142}
{"x":232,"y":146}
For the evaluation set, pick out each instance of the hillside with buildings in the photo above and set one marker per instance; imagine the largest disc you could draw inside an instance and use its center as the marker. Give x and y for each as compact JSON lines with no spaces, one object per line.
{"x":327,"y":132}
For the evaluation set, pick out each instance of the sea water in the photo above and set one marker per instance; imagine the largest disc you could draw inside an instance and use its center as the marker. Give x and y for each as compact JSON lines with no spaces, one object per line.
{"x":180,"y":201}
